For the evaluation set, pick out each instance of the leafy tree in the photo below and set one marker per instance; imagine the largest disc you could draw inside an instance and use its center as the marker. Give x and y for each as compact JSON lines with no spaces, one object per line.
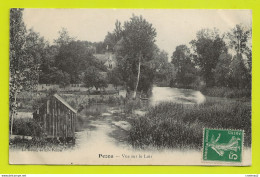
{"x":182,"y":61}
{"x":207,"y":47}
{"x":159,"y":59}
{"x":240,"y":78}
{"x":163,"y":70}
{"x":223,"y":71}
{"x":101,"y":82}
{"x":64,"y":38}
{"x":93,"y":78}
{"x":248,"y":54}
{"x":23,"y":64}
{"x":146,"y":79}
{"x":118,"y":31}
{"x":35,"y":49}
{"x":74,"y":58}
{"x":114,"y":77}
{"x":111,"y":39}
{"x":241,"y":66}
{"x":56,"y":76}
{"x":238,"y":38}
{"x":137,"y":47}
{"x":99,"y":47}
{"x":48,"y":64}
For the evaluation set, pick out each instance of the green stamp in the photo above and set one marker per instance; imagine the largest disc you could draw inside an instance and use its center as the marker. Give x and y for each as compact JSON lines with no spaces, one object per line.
{"x":222,"y":145}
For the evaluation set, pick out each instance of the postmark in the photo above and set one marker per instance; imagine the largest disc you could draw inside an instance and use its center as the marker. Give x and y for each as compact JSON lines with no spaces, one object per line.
{"x":222,"y":145}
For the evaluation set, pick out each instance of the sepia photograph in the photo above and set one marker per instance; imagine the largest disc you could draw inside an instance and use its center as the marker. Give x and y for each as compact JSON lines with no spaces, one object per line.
{"x":130,"y":86}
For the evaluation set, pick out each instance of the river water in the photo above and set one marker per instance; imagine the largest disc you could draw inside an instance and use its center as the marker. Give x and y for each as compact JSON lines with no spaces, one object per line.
{"x":168,"y":94}
{"x":96,"y":138}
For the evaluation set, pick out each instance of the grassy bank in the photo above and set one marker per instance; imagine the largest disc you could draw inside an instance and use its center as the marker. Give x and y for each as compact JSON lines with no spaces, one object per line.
{"x":38,"y":145}
{"x":181,"y":126}
{"x":227,"y":92}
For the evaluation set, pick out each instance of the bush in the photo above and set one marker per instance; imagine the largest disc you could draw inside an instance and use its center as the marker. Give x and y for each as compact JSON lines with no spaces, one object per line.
{"x":181,"y":126}
{"x":132,"y":105}
{"x":27,"y":127}
{"x":226,"y":92}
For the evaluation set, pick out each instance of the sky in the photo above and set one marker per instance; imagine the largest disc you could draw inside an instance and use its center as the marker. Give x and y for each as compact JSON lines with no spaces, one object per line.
{"x":174,"y":27}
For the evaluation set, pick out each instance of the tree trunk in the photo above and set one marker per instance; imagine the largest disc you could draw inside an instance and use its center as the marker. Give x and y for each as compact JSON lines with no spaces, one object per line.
{"x":12,"y":114}
{"x":12,"y":118}
{"x":138,"y":77}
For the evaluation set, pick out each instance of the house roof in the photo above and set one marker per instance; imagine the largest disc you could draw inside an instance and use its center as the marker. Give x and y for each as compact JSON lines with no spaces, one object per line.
{"x":64,"y":102}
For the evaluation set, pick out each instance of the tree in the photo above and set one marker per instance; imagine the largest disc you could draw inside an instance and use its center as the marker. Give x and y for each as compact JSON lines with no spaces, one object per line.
{"x":118,"y":31}
{"x":163,"y":70}
{"x":64,"y":38}
{"x":114,"y":77}
{"x":48,"y":64}
{"x":207,"y":47}
{"x":23,"y":66}
{"x":182,"y":61}
{"x":35,"y":49}
{"x":238,"y":38}
{"x":137,"y":45}
{"x":93,"y":78}
{"x":101,"y":82}
{"x":241,"y":66}
{"x":74,"y":58}
{"x":223,"y":71}
{"x":240,"y":78}
{"x":159,"y":59}
{"x":110,"y":41}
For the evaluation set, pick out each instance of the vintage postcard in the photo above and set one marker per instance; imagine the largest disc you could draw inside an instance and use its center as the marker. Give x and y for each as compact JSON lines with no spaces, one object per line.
{"x":130,"y":87}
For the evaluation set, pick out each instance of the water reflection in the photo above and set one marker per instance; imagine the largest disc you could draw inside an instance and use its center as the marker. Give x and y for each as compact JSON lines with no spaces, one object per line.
{"x":168,"y":94}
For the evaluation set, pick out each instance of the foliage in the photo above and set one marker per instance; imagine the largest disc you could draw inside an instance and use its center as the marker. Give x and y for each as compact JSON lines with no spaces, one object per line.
{"x":163,"y":70}
{"x":182,"y":61}
{"x":26,"y":50}
{"x":146,"y":80}
{"x":181,"y":126}
{"x":48,"y":65}
{"x":64,"y":38}
{"x":240,"y":77}
{"x":73,"y":59}
{"x":208,"y":46}
{"x":93,"y":78}
{"x":111,"y":39}
{"x":239,"y":37}
{"x":66,"y":61}
{"x":131,"y":105}
{"x":222,"y":72}
{"x":227,"y":92}
{"x":114,"y":77}
{"x":138,"y":37}
{"x":55,"y":76}
{"x":27,"y":127}
{"x":241,"y":65}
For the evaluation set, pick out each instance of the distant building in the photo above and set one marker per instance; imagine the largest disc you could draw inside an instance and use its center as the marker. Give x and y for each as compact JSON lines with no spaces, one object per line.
{"x":108,"y":59}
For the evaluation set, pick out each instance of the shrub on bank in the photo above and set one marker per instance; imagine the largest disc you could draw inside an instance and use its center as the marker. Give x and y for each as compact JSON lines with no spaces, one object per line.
{"x":226,"y":92}
{"x":27,"y":127}
{"x":181,"y":126}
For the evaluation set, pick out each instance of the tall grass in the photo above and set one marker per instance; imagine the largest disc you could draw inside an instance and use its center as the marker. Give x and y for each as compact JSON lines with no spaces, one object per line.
{"x":227,"y":92}
{"x":27,"y":127}
{"x":181,"y":126}
{"x":38,"y":145}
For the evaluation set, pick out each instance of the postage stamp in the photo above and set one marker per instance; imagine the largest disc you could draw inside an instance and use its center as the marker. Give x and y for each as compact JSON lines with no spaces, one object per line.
{"x":222,"y":145}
